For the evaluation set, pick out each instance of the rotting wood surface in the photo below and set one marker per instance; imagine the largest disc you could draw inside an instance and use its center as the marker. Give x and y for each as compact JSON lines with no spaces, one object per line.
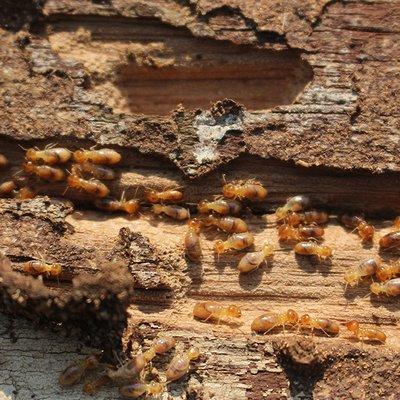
{"x":334,"y":107}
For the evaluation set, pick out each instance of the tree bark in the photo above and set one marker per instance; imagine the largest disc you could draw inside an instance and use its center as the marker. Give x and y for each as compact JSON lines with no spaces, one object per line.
{"x":314,"y":88}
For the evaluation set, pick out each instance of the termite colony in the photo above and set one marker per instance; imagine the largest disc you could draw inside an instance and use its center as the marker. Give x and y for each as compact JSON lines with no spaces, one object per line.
{"x":135,"y":376}
{"x":298,"y":226}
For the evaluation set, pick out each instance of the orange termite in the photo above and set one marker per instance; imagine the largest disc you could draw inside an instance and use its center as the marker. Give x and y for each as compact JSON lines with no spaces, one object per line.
{"x":294,"y":204}
{"x":237,"y":241}
{"x":7,"y":188}
{"x":390,"y":240}
{"x":135,"y":390}
{"x":313,"y":249}
{"x":45,"y":172}
{"x":25,"y":193}
{"x":306,"y":218}
{"x":250,"y":190}
{"x":390,"y":287}
{"x":94,"y":170}
{"x":290,"y":233}
{"x":50,"y":156}
{"x":365,"y":334}
{"x":324,"y":324}
{"x":101,"y":156}
{"x":132,"y":368}
{"x":192,"y":240}
{"x":221,"y":206}
{"x":74,"y":372}
{"x":171,"y":196}
{"x":227,"y":224}
{"x":107,"y":204}
{"x":93,"y":186}
{"x":3,"y":161}
{"x":267,"y":322}
{"x":251,"y":261}
{"x":175,"y":212}
{"x":36,"y":267}
{"x":211,"y":310}
{"x":365,"y":230}
{"x":180,"y":364}
{"x":366,"y":268}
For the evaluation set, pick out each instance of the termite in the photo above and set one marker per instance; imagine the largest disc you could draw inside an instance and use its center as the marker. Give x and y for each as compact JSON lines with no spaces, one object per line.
{"x":386,"y":272}
{"x":132,"y":368}
{"x":251,"y":261}
{"x":50,"y":156}
{"x":36,"y":267}
{"x":237,"y":241}
{"x":211,"y":310}
{"x":175,"y":212}
{"x":221,"y":206}
{"x":396,"y":222}
{"x":101,"y":156}
{"x":390,"y":240}
{"x":93,"y":386}
{"x":97,"y":171}
{"x":390,"y":287}
{"x":92,"y":186}
{"x":366,"y":268}
{"x":294,"y":204}
{"x":171,"y":196}
{"x":25,"y":193}
{"x":227,"y":224}
{"x":365,"y":230}
{"x":162,"y":345}
{"x":365,"y":334}
{"x":180,"y":364}
{"x":306,"y":218}
{"x":250,"y":190}
{"x":326,"y":325}
{"x":7,"y":188}
{"x":135,"y":390}
{"x":313,"y":249}
{"x":267,"y":322}
{"x":45,"y":172}
{"x":290,"y":233}
{"x":192,"y":240}
{"x":74,"y":372}
{"x":108,"y":204}
{"x":3,"y":161}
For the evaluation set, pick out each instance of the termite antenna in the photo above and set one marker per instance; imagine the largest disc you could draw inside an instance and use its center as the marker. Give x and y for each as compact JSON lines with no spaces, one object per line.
{"x":23,"y":148}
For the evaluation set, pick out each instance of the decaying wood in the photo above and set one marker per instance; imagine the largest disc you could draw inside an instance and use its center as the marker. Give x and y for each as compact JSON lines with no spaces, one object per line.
{"x":318,"y":81}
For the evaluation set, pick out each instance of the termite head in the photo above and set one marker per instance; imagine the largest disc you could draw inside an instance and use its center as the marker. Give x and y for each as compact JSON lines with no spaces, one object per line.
{"x":203,"y":207}
{"x":382,"y":273}
{"x":155,"y":388}
{"x":92,"y":360}
{"x":209,"y":220}
{"x":131,"y":206}
{"x":305,"y":320}
{"x":195,"y":225}
{"x":56,"y":270}
{"x":79,"y":156}
{"x":292,"y":316}
{"x":325,"y":252}
{"x":281,"y":213}
{"x":193,"y":353}
{"x":268,"y":250}
{"x":352,"y":325}
{"x":351,"y":278}
{"x":219,"y":246}
{"x":28,"y":167}
{"x":151,"y":196}
{"x":376,"y":288}
{"x":158,"y":208}
{"x":31,"y":154}
{"x":234,"y":311}
{"x":229,"y":190}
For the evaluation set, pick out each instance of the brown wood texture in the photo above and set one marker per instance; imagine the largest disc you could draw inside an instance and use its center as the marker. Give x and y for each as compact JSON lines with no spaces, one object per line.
{"x":314,"y":87}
